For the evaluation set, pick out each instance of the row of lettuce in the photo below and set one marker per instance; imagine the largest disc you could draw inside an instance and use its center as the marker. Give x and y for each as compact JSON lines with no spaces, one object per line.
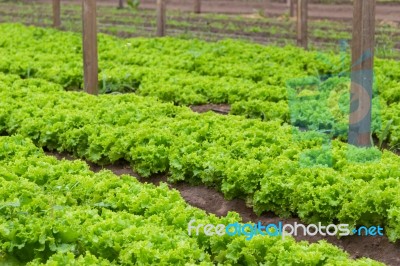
{"x":274,"y":167}
{"x":306,"y":89}
{"x":60,"y":213}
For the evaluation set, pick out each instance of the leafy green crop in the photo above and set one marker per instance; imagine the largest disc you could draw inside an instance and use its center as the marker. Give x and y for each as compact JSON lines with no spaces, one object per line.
{"x":254,"y":79}
{"x":60,"y":213}
{"x":275,"y":167}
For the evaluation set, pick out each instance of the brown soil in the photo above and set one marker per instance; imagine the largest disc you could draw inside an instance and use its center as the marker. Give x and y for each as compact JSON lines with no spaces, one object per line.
{"x":217,"y":108}
{"x":385,"y":12}
{"x":212,"y":201}
{"x":203,"y":28}
{"x":201,"y":24}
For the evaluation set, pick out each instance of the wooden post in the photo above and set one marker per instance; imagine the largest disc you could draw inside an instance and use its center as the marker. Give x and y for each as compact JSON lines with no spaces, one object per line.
{"x":56,"y":14}
{"x":362,"y":73}
{"x":197,"y":6}
{"x":90,"y":64}
{"x":161,"y":17}
{"x":121,"y":4}
{"x":267,"y":6}
{"x":291,"y":8}
{"x":302,"y":23}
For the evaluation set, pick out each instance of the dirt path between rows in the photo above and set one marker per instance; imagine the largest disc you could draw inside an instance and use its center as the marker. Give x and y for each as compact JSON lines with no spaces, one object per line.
{"x":212,"y":201}
{"x":315,"y":11}
{"x":385,"y":12}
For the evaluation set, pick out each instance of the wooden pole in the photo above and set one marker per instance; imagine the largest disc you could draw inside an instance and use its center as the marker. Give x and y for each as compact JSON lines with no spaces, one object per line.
{"x":90,"y":64}
{"x":121,"y":4}
{"x":56,"y":14}
{"x":161,"y":18}
{"x":197,"y":6}
{"x":267,"y":6}
{"x":302,"y":23}
{"x":291,"y":8}
{"x":363,"y":43}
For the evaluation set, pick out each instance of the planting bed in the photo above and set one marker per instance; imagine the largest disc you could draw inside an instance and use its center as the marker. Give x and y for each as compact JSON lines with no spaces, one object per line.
{"x":231,"y":125}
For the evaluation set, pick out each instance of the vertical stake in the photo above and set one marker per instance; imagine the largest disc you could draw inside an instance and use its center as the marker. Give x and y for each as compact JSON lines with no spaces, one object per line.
{"x":362,"y":54}
{"x":291,"y":8}
{"x":197,"y":6}
{"x":89,"y":36}
{"x":302,"y":23}
{"x":161,"y":17}
{"x":56,"y":14}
